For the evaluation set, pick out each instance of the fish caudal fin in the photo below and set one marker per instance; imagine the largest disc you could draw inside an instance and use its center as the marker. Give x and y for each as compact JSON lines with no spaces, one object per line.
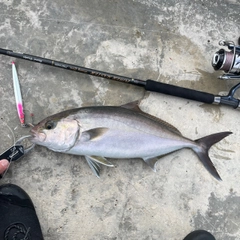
{"x":205,"y":144}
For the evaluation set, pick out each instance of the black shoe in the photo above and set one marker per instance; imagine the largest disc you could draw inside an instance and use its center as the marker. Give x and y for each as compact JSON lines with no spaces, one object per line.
{"x":199,"y":235}
{"x":19,"y":220}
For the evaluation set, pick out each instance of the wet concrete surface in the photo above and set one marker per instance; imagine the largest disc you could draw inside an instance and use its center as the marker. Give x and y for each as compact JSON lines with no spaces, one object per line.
{"x":167,"y":41}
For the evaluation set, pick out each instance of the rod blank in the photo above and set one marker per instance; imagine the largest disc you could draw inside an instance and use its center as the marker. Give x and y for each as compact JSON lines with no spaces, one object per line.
{"x":149,"y":85}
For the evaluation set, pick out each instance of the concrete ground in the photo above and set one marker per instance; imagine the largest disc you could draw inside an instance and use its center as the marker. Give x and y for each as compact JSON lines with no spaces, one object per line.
{"x":167,"y":41}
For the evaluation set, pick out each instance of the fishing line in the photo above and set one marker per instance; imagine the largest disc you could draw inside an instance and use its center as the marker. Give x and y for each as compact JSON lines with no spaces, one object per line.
{"x":14,"y":139}
{"x":13,"y":135}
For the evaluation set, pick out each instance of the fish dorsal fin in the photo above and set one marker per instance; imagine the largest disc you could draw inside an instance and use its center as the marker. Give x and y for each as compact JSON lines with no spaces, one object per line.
{"x":134,"y":106}
{"x":166,"y":124}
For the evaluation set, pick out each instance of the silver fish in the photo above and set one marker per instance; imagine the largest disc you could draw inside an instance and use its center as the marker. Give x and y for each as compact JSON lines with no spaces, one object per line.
{"x":101,"y":132}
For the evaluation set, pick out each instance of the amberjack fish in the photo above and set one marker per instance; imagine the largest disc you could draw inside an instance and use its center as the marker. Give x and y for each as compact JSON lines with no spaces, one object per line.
{"x":102,"y":132}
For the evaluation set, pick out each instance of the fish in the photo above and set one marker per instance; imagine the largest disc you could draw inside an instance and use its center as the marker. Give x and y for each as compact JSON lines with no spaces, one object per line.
{"x":102,"y":132}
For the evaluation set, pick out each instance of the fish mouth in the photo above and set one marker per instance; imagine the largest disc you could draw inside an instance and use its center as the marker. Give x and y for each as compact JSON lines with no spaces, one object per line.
{"x":37,"y":136}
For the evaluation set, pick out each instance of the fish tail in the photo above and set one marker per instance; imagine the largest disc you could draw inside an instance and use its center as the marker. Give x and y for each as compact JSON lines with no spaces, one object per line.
{"x":204,"y":144}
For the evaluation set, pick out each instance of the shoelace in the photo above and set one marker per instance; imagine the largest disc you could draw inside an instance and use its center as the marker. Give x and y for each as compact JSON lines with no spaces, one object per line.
{"x":16,"y":229}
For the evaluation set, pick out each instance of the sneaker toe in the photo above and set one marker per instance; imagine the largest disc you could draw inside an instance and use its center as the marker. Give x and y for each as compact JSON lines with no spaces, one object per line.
{"x":199,"y":235}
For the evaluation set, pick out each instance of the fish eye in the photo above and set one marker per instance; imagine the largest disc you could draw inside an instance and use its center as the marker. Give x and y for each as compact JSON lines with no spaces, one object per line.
{"x":50,"y":125}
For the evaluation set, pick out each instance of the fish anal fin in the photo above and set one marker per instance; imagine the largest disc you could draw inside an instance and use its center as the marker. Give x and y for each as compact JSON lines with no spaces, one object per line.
{"x":95,"y":133}
{"x":151,"y":162}
{"x":135,"y":106}
{"x":101,"y":160}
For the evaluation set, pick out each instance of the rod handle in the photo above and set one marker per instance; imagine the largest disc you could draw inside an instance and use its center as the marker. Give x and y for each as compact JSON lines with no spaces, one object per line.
{"x":179,"y":91}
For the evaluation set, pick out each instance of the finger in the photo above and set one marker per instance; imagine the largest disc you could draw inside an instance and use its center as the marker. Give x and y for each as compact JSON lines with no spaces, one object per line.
{"x":4,"y":164}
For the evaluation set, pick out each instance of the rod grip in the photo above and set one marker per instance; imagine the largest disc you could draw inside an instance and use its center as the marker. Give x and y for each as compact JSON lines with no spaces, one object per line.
{"x":179,"y":91}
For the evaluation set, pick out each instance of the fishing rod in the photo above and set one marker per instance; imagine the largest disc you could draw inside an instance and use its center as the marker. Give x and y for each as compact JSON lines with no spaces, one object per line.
{"x":149,"y":85}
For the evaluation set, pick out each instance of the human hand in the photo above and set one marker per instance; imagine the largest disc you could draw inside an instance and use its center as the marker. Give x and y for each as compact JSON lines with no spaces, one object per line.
{"x":4,"y":164}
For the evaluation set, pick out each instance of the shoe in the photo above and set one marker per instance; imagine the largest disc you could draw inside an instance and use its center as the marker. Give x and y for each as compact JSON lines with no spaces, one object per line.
{"x":19,"y":220}
{"x":199,"y":235}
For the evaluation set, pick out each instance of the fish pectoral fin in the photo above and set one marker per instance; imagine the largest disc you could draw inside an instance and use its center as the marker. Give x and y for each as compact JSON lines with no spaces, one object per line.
{"x":101,"y":160}
{"x":95,"y":133}
{"x":94,"y":166}
{"x":151,"y":162}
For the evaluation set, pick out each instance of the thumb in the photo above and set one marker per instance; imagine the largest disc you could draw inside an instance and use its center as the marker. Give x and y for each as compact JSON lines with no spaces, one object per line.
{"x":4,"y":164}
